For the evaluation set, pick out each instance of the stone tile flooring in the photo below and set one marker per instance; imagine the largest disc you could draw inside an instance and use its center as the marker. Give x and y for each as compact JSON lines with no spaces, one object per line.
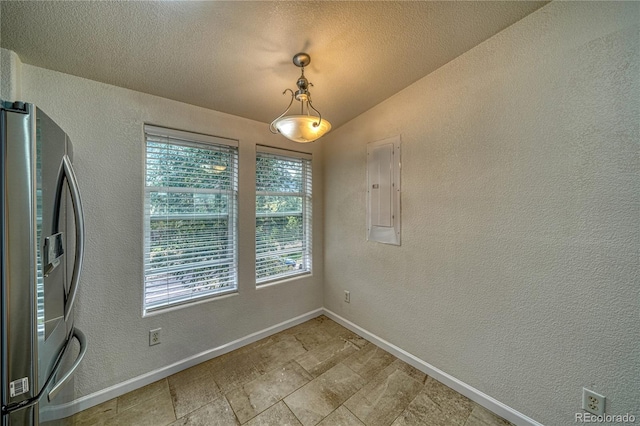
{"x":316,"y":373}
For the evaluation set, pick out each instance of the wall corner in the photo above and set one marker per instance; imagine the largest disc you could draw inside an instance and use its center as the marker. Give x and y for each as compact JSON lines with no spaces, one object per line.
{"x":10,"y":75}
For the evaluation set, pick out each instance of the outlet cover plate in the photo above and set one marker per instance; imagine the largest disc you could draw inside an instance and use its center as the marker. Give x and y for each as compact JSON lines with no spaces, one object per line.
{"x":154,"y":336}
{"x":593,"y":402}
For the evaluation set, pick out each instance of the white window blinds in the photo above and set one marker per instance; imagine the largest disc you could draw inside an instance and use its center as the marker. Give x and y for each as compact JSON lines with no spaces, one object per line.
{"x":283,"y":214}
{"x":190,"y":217}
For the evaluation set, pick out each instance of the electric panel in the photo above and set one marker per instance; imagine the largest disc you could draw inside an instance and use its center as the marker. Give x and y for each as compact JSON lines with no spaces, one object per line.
{"x":383,"y":191}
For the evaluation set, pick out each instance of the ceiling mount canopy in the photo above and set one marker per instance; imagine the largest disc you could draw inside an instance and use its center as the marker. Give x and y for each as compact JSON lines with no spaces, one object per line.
{"x":303,"y":127}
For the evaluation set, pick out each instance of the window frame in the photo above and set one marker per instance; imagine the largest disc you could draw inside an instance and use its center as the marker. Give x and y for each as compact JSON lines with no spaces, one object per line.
{"x":202,"y":141}
{"x":306,"y":213}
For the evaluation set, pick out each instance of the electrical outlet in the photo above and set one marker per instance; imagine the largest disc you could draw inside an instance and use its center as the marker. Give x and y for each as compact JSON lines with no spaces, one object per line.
{"x":593,"y":402}
{"x":154,"y":337}
{"x":347,"y":296}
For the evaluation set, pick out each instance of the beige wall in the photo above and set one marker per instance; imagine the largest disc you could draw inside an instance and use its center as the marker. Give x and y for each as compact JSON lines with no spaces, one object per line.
{"x":518,"y":270}
{"x":105,"y":124}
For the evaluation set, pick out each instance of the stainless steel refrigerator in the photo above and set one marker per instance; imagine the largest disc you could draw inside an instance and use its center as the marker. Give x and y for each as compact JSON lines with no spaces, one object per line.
{"x":42,"y":233}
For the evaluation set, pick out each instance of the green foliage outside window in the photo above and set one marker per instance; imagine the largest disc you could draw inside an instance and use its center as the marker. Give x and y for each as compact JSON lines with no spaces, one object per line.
{"x":281,"y":243}
{"x":190,"y":202}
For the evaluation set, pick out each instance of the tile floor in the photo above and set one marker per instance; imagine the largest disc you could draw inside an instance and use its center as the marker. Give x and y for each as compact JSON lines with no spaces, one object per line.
{"x":316,"y":373}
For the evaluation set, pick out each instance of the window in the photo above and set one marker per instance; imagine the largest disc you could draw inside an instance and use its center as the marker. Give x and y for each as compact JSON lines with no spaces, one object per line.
{"x":190,"y":222}
{"x":283,"y":214}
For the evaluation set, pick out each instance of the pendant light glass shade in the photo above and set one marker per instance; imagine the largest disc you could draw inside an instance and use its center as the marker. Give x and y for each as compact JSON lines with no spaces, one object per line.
{"x":301,"y":128}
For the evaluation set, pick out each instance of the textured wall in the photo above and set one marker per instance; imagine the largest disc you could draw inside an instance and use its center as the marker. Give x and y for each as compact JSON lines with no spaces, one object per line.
{"x":10,"y":75}
{"x":518,"y":271}
{"x":105,"y":124}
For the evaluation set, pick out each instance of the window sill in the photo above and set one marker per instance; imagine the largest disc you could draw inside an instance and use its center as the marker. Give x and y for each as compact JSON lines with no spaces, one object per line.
{"x":277,"y":281}
{"x":189,"y":303}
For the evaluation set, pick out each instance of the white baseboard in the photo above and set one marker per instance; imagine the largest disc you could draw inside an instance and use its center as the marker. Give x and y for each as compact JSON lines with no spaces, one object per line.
{"x":114,"y":391}
{"x":470,"y":392}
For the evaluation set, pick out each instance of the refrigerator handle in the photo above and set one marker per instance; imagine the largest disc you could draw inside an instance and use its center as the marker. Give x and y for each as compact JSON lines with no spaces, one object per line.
{"x":79,"y":335}
{"x":66,"y":171}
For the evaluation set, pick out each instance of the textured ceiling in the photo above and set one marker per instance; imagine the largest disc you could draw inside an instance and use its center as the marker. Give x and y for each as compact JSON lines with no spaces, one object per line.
{"x":235,"y":56}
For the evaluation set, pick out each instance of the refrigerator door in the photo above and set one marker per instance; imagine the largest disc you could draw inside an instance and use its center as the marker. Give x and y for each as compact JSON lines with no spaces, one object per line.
{"x":19,"y":327}
{"x":61,"y":244}
{"x":51,"y":253}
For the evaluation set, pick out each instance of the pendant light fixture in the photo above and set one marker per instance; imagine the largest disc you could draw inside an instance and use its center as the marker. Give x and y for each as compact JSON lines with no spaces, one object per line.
{"x":303,"y":127}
